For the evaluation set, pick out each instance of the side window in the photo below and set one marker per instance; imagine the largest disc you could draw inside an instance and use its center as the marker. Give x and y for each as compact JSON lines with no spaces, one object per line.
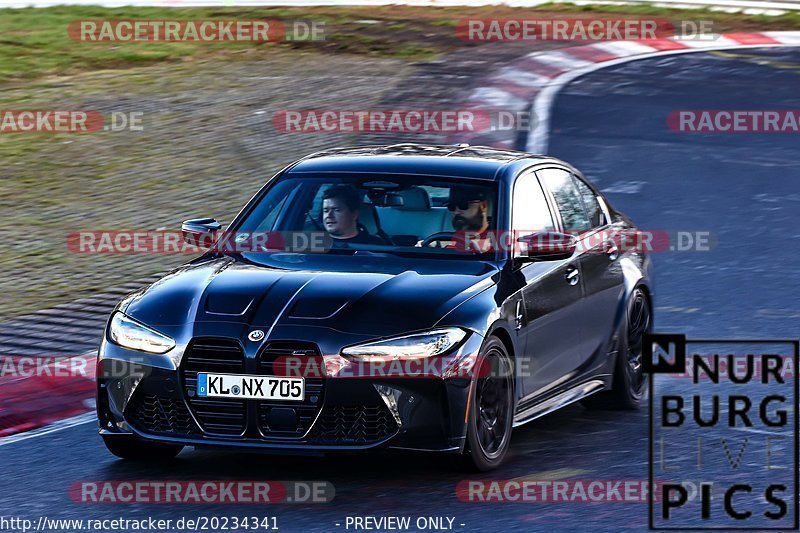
{"x":530,"y":212}
{"x":437,"y":195}
{"x":590,"y":203}
{"x":567,"y":198}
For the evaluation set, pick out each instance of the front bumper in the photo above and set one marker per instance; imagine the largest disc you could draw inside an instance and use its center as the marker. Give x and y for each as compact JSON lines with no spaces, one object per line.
{"x":153,"y":397}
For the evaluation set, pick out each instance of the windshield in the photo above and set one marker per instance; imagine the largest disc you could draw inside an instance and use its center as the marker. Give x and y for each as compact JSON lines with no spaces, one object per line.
{"x":351,"y":213}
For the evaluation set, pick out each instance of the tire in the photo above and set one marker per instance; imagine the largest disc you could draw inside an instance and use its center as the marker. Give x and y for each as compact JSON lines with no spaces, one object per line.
{"x":491,"y":410}
{"x":629,"y":383}
{"x":140,"y":450}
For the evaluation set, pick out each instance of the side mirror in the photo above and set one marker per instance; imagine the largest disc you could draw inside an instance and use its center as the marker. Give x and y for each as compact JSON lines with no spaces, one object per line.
{"x":548,"y":246}
{"x":200,"y":232}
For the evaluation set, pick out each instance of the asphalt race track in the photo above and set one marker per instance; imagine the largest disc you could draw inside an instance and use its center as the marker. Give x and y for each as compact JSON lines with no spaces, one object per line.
{"x":742,"y":187}
{"x":612,"y":124}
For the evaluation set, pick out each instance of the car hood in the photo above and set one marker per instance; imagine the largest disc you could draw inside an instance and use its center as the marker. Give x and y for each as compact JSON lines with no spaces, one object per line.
{"x":360,"y":296}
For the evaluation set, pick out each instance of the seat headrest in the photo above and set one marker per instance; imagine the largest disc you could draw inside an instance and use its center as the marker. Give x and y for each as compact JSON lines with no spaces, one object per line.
{"x":368,"y":216}
{"x":415,"y":199}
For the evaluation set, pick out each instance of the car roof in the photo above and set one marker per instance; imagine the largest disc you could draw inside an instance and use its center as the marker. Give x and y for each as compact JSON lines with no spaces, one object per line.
{"x":465,"y":161}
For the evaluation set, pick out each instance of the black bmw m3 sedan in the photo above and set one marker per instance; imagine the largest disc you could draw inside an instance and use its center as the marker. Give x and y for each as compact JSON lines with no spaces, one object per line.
{"x":406,"y":296}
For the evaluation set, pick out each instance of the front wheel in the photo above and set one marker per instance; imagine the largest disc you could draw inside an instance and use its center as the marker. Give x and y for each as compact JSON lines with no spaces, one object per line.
{"x":139,"y":450}
{"x":491,"y":410}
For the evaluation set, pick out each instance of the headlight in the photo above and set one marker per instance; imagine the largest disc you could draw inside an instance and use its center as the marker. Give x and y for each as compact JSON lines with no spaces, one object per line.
{"x":129,"y":333}
{"x":415,"y":346}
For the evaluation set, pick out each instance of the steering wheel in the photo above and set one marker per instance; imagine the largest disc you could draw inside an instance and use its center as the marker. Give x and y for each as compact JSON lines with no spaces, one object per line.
{"x":438,"y":237}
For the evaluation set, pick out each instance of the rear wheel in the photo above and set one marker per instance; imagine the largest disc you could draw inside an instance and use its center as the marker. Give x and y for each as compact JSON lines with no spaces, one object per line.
{"x":630,"y":383}
{"x":139,"y":450}
{"x":491,"y":409}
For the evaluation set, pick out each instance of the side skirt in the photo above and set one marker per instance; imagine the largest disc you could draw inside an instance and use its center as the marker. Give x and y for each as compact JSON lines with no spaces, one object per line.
{"x":528,"y":410}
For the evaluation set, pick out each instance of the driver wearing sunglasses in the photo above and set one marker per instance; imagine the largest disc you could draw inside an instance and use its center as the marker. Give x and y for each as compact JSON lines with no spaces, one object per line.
{"x":469,"y":208}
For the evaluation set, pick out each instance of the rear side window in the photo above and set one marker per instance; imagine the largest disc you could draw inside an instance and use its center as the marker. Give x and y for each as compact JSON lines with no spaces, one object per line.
{"x":437,"y":195}
{"x":567,"y":197}
{"x":590,"y":203}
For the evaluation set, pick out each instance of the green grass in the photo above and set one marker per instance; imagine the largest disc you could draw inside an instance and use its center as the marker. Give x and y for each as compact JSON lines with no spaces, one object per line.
{"x":34,"y":43}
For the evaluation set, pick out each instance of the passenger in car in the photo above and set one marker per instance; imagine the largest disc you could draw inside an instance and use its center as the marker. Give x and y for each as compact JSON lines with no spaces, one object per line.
{"x":341,"y":205}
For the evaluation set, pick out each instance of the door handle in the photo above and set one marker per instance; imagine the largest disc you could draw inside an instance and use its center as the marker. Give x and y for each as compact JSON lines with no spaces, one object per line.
{"x":519,"y":320}
{"x":572,"y":276}
{"x":612,"y":251}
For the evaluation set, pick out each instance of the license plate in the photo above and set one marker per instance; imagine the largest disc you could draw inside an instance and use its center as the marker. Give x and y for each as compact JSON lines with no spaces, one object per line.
{"x":250,"y":387}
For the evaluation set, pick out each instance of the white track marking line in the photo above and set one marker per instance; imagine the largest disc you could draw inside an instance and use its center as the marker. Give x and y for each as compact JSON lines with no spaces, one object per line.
{"x":712,"y":43}
{"x":786,"y":434}
{"x":785,"y":37}
{"x":60,"y":425}
{"x":624,"y":48}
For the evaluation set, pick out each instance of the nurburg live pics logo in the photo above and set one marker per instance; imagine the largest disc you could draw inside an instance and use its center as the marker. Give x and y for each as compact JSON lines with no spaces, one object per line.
{"x":723,"y":446}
